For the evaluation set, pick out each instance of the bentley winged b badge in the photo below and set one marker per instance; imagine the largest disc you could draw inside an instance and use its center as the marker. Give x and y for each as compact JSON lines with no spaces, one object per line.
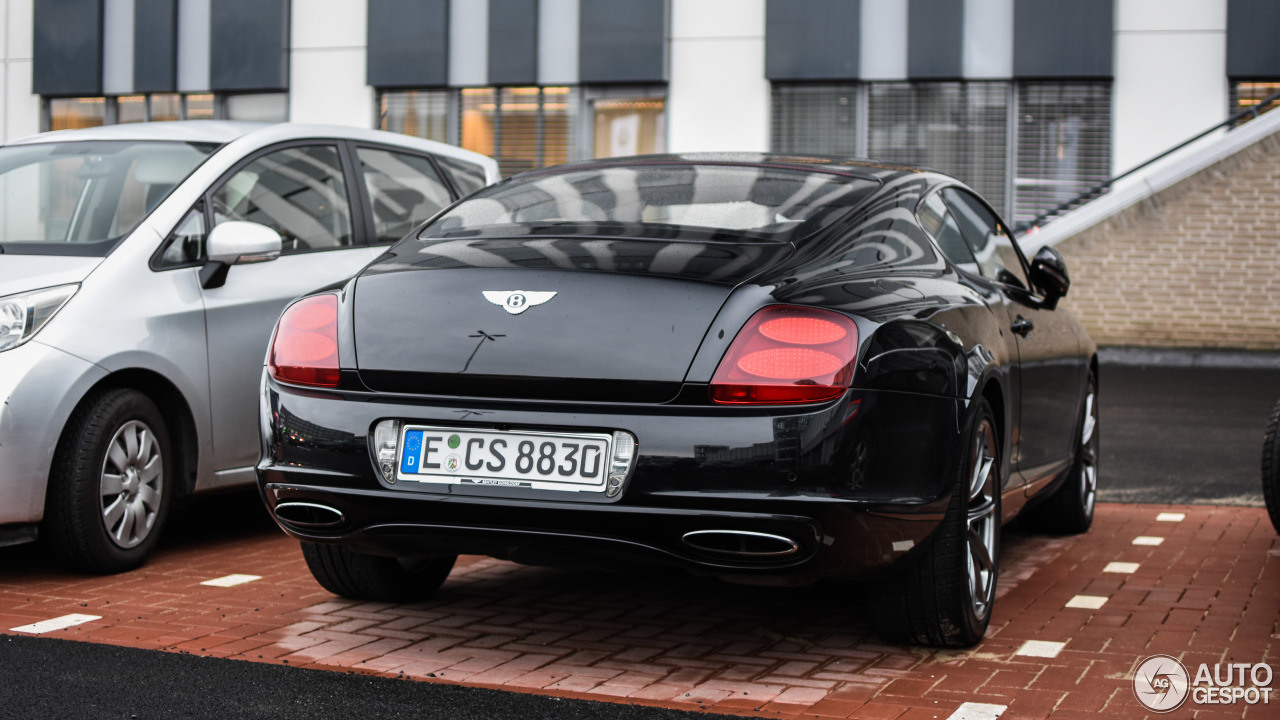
{"x":517,"y":301}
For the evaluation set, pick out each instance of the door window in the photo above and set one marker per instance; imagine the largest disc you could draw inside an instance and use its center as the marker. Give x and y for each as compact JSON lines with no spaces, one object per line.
{"x":938,"y":222}
{"x":991,"y":243}
{"x":403,"y":190}
{"x":299,"y":192}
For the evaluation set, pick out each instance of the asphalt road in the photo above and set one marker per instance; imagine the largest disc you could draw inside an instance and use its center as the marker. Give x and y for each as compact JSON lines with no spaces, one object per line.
{"x":1170,"y":435}
{"x":1184,"y":434}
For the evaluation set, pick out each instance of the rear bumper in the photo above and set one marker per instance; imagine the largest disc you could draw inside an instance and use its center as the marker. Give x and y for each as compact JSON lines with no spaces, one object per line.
{"x":852,"y":485}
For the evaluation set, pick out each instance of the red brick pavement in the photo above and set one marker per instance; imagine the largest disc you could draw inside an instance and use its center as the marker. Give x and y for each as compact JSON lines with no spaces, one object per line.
{"x":1210,"y":592}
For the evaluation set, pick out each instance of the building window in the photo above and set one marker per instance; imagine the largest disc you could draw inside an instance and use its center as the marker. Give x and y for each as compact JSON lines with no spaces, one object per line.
{"x":131,"y":109}
{"x":521,"y":127}
{"x":815,"y":119}
{"x":420,"y":113}
{"x":1064,"y":144}
{"x":72,"y":113}
{"x":258,"y":107}
{"x":1246,"y":95}
{"x":959,"y":128}
{"x":627,"y":122}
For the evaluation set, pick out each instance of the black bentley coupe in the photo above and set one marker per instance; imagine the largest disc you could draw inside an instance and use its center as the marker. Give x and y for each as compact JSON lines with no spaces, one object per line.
{"x":766,"y":368}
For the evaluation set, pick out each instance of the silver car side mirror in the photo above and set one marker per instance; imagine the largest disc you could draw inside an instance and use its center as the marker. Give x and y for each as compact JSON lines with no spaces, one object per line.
{"x":237,"y":243}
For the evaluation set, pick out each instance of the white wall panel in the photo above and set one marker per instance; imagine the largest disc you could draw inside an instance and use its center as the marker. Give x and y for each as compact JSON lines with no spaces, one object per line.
{"x":718,"y":97}
{"x":1171,"y":15}
{"x":329,"y":23}
{"x":882,"y":53}
{"x":21,"y":106}
{"x":20,"y":17}
{"x":328,"y":86}
{"x":469,"y":43}
{"x":117,"y":47}
{"x":1168,"y":87}
{"x":988,"y":39}
{"x":193,"y":45}
{"x":558,"y":42}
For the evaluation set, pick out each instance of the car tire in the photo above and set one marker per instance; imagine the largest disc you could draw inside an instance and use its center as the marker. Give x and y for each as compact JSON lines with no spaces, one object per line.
{"x":354,"y":575}
{"x":1271,"y":468}
{"x":111,"y":483}
{"x":943,"y":596}
{"x":1069,"y":510}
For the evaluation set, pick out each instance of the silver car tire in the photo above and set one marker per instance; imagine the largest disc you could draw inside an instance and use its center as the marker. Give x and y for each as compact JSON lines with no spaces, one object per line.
{"x":111,"y":484}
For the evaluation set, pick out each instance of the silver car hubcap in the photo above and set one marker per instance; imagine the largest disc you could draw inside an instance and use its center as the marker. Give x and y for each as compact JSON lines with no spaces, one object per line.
{"x":132,"y":484}
{"x":980,"y":535}
{"x":1089,"y":454}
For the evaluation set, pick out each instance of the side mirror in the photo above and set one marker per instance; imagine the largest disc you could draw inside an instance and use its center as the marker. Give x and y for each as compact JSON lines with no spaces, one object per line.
{"x":1049,"y":274}
{"x":237,"y":243}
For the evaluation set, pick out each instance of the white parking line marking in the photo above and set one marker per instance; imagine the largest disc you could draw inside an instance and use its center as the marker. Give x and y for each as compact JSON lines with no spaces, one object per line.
{"x":1119,"y":567}
{"x":978,"y":711}
{"x":231,"y":580}
{"x":58,"y":623}
{"x":1171,"y":517}
{"x":1147,"y":540}
{"x":903,"y":545}
{"x":1040,"y":649}
{"x":1088,"y":602}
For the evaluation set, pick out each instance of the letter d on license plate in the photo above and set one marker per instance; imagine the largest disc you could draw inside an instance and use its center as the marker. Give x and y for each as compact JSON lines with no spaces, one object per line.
{"x":535,"y":460}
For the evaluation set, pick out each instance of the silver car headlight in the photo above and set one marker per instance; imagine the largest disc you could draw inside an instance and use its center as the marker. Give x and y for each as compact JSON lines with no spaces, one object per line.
{"x":22,"y":315}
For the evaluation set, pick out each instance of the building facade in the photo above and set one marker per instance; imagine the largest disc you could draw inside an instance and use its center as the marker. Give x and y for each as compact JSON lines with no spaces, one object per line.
{"x":1030,"y":101}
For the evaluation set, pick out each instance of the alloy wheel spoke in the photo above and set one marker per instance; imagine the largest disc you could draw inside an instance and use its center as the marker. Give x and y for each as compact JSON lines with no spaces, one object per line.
{"x":145,"y":445}
{"x":152,"y":469}
{"x":126,"y":521}
{"x":118,"y":456}
{"x":980,"y":552}
{"x":149,"y":497}
{"x":131,"y":442}
{"x":139,"y":529}
{"x":112,"y":514}
{"x":111,"y":484}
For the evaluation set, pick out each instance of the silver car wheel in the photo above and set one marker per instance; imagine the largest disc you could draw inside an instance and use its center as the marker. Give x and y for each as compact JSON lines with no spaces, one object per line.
{"x":1089,"y":454}
{"x":980,"y":535}
{"x":132,"y":484}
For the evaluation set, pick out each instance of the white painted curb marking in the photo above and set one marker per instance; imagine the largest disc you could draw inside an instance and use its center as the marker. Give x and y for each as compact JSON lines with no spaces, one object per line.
{"x":1119,"y":567}
{"x":1040,"y":649}
{"x":1171,"y":517}
{"x":978,"y":711}
{"x":231,"y":580}
{"x":58,"y":623}
{"x":1087,"y":602}
{"x":1147,"y":540}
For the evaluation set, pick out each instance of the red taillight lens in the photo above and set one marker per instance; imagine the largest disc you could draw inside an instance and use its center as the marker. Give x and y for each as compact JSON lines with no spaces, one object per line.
{"x":788,"y":355}
{"x":305,"y":348}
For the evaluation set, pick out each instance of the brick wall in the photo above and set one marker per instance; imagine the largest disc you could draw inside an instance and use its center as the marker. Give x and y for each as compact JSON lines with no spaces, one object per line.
{"x":1195,"y":266}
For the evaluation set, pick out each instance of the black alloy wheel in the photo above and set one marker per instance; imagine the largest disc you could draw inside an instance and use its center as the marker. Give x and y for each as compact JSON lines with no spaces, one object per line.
{"x":1271,"y":468}
{"x":943,"y":596}
{"x":111,"y":483}
{"x":354,"y":575}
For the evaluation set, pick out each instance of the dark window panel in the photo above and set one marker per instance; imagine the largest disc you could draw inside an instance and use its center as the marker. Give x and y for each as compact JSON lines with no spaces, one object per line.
{"x":513,"y":42}
{"x":67,"y":47}
{"x":408,"y":43}
{"x":249,"y":45}
{"x":935,"y":39}
{"x":155,"y":46}
{"x":622,"y":41}
{"x":1064,"y":143}
{"x":812,"y":39}
{"x":1252,"y":50}
{"x":1056,"y":39}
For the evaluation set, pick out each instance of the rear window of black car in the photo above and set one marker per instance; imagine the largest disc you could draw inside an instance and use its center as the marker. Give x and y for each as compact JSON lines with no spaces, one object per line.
{"x":670,"y":201}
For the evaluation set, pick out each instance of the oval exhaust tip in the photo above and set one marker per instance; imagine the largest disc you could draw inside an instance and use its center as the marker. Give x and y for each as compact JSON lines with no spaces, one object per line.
{"x":741,"y":543}
{"x":308,"y":515}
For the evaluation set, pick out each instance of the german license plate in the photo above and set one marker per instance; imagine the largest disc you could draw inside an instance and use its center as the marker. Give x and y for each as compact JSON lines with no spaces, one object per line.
{"x":535,"y":460}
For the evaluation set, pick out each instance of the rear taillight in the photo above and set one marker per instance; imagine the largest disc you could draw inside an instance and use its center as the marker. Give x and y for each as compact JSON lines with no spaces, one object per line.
{"x":305,"y":348}
{"x":788,"y":354}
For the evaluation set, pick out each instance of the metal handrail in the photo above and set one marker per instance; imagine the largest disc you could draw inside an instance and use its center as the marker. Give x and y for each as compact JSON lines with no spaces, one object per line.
{"x":1252,"y":110}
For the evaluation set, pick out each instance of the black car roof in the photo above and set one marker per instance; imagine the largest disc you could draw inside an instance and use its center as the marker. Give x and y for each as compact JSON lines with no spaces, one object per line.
{"x":857,"y":167}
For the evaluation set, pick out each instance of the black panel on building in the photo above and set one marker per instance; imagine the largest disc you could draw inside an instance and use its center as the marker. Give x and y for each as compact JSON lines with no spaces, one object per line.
{"x":155,"y":46}
{"x":935,"y":39}
{"x":249,"y":45}
{"x":513,"y":42}
{"x":812,"y":39}
{"x":622,"y":41}
{"x":408,"y":43}
{"x":1054,"y":39}
{"x":67,"y":47}
{"x":1252,"y":50}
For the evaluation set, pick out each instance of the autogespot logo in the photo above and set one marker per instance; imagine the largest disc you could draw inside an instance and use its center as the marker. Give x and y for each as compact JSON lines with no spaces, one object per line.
{"x":1160,"y":683}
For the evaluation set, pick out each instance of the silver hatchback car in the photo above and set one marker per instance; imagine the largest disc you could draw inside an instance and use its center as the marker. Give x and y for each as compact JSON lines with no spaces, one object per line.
{"x":142,"y":268}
